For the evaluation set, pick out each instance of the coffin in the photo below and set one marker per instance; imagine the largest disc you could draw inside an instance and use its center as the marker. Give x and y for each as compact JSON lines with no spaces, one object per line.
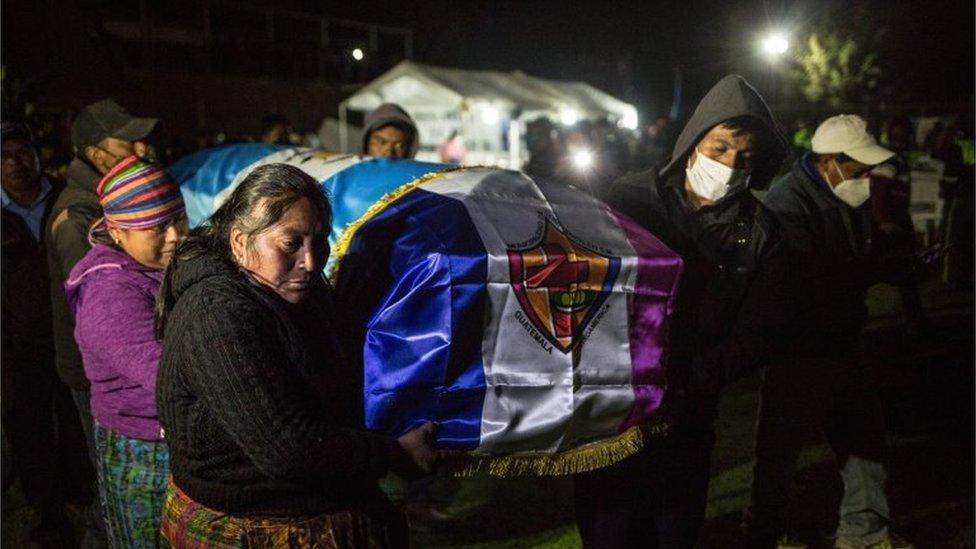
{"x":528,"y":319}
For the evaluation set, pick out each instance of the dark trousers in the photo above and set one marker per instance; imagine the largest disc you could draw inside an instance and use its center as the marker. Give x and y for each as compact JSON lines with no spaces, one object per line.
{"x":800,"y":397}
{"x":47,"y":445}
{"x":653,"y":499}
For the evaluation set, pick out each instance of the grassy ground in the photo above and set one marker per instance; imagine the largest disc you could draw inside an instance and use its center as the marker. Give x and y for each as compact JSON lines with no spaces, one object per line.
{"x":927,"y":389}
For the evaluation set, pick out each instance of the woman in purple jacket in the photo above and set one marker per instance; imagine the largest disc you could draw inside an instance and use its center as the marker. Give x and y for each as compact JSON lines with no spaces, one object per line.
{"x":112,"y":292}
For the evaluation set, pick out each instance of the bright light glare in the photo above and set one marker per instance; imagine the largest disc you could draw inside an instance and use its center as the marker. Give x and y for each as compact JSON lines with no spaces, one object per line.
{"x":358,"y":54}
{"x":489,"y":115}
{"x":775,"y":44}
{"x":568,"y":116}
{"x":629,"y":121}
{"x":582,"y":159}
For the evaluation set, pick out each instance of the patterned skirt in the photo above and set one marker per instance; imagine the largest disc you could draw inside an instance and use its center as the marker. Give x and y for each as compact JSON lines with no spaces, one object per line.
{"x":132,"y":476}
{"x":190,"y":525}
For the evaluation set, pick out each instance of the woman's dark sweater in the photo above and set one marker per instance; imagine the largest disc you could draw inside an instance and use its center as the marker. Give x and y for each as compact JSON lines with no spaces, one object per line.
{"x":259,"y":409}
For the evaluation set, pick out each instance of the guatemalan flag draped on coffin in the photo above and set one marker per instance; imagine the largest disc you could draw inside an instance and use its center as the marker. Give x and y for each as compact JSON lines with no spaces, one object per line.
{"x":528,"y":320}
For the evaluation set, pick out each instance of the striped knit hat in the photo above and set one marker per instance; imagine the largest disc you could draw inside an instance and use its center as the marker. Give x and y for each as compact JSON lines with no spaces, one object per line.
{"x":136,"y":195}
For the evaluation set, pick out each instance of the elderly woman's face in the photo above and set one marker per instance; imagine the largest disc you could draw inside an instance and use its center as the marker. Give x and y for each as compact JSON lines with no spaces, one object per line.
{"x":288,"y":254}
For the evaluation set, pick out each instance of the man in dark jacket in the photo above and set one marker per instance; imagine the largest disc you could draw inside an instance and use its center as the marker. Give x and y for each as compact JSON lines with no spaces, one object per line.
{"x":730,"y":306}
{"x":389,"y":131}
{"x":32,"y":396}
{"x":820,"y":204}
{"x":102,"y":135}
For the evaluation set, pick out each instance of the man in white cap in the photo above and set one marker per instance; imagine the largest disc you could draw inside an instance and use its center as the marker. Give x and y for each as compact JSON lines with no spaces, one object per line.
{"x":824,"y":384}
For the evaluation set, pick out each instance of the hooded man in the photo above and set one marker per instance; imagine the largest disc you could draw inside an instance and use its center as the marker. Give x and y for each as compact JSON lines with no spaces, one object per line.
{"x":821,"y":206}
{"x":389,"y":131}
{"x":731,"y":306}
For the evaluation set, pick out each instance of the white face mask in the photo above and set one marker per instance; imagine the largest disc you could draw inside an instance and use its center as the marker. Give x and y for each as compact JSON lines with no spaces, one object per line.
{"x":713,"y":180}
{"x":852,"y":192}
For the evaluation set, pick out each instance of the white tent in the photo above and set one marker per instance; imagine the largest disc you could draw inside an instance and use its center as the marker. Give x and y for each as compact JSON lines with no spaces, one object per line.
{"x":489,"y":108}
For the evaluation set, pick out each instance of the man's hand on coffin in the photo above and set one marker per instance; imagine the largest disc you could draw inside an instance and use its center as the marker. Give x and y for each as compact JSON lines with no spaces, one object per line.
{"x":419,"y":456}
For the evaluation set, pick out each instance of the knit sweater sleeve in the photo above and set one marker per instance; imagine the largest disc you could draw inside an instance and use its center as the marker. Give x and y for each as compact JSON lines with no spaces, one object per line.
{"x":241,"y":369}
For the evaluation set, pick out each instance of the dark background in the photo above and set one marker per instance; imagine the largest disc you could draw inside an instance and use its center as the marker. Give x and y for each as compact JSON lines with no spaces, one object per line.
{"x":631,"y":48}
{"x":215,"y":68}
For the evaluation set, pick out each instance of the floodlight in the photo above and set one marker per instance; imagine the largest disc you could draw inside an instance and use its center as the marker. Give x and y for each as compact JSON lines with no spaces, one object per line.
{"x":568,"y":116}
{"x":582,"y":159}
{"x":775,"y":44}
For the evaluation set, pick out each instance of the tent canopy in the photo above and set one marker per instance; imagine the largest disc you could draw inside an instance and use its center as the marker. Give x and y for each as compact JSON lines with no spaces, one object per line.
{"x":414,"y":85}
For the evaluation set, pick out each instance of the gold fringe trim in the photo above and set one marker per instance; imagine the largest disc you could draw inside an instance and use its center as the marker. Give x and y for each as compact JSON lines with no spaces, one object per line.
{"x":577,"y":460}
{"x":342,"y":244}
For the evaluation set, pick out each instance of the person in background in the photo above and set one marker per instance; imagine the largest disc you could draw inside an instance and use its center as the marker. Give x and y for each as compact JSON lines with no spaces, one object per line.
{"x":730,"y":309}
{"x":823,"y":382}
{"x":102,"y":135}
{"x":545,"y":149}
{"x":652,"y":148}
{"x":930,"y":143}
{"x":112,"y":294}
{"x":389,"y":131}
{"x":261,"y":410}
{"x":276,"y":130}
{"x":595,"y":156}
{"x":958,"y":189}
{"x":53,"y":142}
{"x":579,"y":165}
{"x":944,"y":149}
{"x":452,"y":150}
{"x":38,"y":416}
{"x":801,"y":137}
{"x":611,"y":153}
{"x":892,"y":227}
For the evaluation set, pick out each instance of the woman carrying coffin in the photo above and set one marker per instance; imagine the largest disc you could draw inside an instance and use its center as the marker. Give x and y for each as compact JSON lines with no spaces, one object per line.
{"x":260,"y":409}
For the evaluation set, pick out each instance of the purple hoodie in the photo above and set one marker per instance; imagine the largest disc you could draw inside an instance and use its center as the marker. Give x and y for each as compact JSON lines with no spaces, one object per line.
{"x":112,"y":296}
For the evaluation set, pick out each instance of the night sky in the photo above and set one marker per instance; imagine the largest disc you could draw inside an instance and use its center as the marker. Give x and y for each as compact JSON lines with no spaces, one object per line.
{"x":631,"y":48}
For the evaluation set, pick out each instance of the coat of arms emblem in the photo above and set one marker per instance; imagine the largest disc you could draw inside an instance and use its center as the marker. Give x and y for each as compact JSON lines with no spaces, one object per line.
{"x":560,"y":285}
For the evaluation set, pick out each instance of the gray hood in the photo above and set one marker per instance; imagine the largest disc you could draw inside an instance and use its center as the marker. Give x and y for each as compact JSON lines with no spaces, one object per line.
{"x":391,"y":113}
{"x":730,"y":98}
